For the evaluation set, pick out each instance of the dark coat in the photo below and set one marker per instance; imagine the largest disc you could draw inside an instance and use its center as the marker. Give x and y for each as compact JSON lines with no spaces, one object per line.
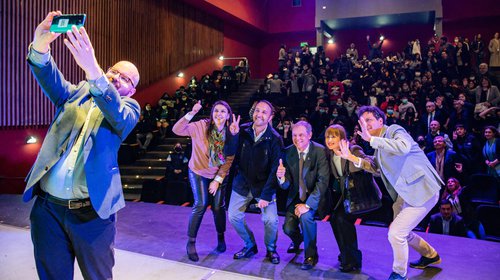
{"x":257,"y":162}
{"x":457,"y":227}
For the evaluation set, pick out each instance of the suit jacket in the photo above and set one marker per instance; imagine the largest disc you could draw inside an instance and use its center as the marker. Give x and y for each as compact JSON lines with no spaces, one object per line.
{"x":450,"y":158}
{"x":314,"y":172}
{"x":457,"y":227}
{"x":424,"y":121}
{"x":404,"y":166}
{"x":110,"y":123}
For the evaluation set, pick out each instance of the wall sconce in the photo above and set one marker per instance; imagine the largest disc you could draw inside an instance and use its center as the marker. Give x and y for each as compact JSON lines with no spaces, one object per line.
{"x":330,"y":41}
{"x":221,"y":57}
{"x":31,"y":139}
{"x":180,"y":75}
{"x":381,"y":38}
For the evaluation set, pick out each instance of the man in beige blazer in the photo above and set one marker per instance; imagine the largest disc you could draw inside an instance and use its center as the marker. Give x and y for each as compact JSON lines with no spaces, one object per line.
{"x":411,"y":181}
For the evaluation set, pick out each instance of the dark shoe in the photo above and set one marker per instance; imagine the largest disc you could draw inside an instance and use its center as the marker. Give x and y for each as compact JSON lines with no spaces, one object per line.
{"x":395,"y":276}
{"x":293,"y":248}
{"x":221,"y":243}
{"x":349,"y":267}
{"x":245,"y":253}
{"x":191,"y":251}
{"x":221,"y":247}
{"x":273,"y":257}
{"x":424,"y":262}
{"x":309,"y":263}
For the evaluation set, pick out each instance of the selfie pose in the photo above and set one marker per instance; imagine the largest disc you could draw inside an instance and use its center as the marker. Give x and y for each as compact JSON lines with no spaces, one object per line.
{"x":76,"y":177}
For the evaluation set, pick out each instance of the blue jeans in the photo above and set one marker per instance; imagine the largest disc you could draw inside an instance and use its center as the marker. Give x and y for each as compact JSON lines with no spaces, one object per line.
{"x":237,"y":206}
{"x":60,"y":234}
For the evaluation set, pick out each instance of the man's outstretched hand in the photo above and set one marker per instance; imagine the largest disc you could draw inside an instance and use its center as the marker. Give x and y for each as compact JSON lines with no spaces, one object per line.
{"x":43,"y":37}
{"x":79,"y":45}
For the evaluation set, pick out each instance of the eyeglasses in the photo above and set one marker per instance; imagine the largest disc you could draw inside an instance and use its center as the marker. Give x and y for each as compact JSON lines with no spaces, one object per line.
{"x":121,"y":77}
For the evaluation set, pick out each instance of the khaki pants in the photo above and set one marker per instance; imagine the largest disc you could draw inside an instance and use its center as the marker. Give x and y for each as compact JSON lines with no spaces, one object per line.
{"x":406,"y":218}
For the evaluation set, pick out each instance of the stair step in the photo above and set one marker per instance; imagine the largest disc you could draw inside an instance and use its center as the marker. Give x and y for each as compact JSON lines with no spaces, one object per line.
{"x":142,"y":170}
{"x":138,"y":179}
{"x":151,"y":162}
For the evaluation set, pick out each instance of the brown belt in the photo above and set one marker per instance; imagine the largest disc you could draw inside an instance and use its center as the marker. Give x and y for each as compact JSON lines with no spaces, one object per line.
{"x":72,"y":204}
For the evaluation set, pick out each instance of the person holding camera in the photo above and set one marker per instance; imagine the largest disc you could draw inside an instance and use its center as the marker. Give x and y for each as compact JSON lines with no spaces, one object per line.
{"x":75,"y":177}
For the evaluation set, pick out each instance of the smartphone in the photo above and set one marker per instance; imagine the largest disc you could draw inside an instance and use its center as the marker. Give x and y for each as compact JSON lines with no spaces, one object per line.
{"x":63,"y":23}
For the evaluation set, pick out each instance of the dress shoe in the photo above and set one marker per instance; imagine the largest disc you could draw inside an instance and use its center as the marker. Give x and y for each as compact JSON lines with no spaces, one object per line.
{"x":273,"y":257}
{"x":424,"y":262}
{"x":293,"y":248}
{"x":349,"y":267}
{"x":245,"y":253}
{"x":309,"y":263}
{"x":395,"y":276}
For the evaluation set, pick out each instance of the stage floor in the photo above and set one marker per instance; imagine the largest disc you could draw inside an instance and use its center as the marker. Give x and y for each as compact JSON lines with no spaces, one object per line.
{"x":151,"y":243}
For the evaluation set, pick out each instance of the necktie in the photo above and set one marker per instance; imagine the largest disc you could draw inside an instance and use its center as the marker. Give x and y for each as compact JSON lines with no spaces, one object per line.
{"x":302,"y":185}
{"x":439,"y":165}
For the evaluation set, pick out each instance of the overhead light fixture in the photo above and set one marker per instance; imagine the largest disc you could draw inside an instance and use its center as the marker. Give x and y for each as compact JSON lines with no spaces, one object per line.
{"x":180,"y":75}
{"x":31,"y":139}
{"x":330,"y":41}
{"x":324,"y":7}
{"x":221,"y":57}
{"x":381,"y":38}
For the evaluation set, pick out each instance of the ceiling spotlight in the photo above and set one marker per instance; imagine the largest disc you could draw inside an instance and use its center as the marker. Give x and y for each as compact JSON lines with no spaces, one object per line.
{"x":180,"y":75}
{"x":31,"y":139}
{"x":324,"y":7}
{"x":381,"y":38}
{"x":330,"y":41}
{"x":221,"y":57}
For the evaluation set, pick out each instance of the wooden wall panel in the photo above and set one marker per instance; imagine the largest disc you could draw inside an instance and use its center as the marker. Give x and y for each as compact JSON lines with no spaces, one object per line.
{"x":159,"y":36}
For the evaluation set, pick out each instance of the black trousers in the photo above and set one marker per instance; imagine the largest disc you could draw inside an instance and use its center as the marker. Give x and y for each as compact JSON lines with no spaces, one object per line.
{"x":202,"y":198}
{"x":345,"y":234}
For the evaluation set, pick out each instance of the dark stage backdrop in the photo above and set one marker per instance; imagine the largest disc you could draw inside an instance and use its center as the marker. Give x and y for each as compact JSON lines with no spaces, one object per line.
{"x":159,"y":36}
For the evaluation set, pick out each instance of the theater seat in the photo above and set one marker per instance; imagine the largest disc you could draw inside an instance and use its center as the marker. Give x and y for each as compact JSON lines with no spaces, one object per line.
{"x":482,"y":190}
{"x":489,"y":215}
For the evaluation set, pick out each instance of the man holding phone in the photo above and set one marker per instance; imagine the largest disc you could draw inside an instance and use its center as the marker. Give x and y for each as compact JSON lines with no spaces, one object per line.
{"x":75,"y":176}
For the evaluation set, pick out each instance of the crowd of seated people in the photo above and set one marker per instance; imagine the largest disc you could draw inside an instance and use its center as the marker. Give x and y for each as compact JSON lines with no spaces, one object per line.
{"x":442,"y":93}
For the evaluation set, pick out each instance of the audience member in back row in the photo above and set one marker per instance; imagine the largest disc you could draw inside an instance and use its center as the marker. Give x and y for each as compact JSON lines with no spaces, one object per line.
{"x":214,"y":147}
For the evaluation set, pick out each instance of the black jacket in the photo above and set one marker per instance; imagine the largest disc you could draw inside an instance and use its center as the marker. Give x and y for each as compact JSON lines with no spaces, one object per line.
{"x":257,"y":163}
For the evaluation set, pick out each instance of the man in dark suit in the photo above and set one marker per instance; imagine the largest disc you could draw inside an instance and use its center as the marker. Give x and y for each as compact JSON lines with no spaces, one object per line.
{"x":305,"y":174}
{"x":446,"y":222}
{"x":75,"y":176}
{"x":446,"y":162}
{"x":431,"y":114}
